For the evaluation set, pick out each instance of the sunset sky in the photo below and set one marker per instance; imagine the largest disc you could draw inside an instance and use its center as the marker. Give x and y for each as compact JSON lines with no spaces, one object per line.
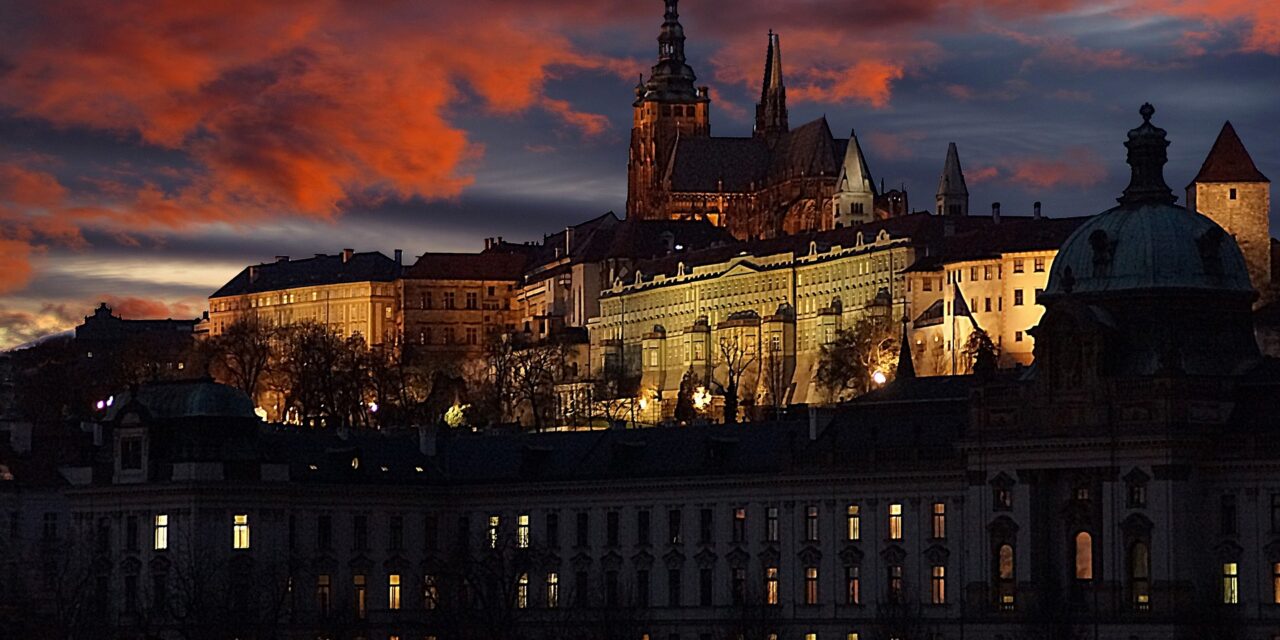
{"x":149,"y":150}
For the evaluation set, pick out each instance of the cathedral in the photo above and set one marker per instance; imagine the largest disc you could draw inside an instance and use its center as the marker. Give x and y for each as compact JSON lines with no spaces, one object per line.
{"x":780,"y":181}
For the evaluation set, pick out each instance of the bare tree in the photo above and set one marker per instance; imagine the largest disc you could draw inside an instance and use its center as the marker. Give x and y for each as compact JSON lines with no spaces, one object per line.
{"x":848,"y":364}
{"x":980,"y":353}
{"x":737,"y":359}
{"x":241,"y":355}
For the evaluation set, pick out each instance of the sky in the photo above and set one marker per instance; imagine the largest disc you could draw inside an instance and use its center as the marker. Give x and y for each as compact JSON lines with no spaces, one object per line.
{"x":151,"y":151}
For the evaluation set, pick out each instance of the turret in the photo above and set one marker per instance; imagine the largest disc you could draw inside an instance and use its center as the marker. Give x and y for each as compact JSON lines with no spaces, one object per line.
{"x":953,"y":194}
{"x":1232,"y":192}
{"x":855,"y":196}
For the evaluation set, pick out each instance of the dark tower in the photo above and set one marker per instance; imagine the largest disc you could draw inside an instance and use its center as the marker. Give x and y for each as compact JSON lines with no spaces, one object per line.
{"x":667,"y":105}
{"x":771,"y":112}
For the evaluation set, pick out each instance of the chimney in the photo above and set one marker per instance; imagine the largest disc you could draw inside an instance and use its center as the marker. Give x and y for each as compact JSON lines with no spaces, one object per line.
{"x":1035,"y":211}
{"x":399,"y":257}
{"x":346,"y":255}
{"x":568,"y":240}
{"x":488,"y":244}
{"x":253,"y":274}
{"x":282,"y":258}
{"x":995,"y":212}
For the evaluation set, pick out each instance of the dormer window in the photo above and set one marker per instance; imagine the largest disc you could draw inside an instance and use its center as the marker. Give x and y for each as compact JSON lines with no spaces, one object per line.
{"x":131,"y":454}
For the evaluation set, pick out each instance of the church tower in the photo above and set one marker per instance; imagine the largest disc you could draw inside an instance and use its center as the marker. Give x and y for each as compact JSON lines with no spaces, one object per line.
{"x":953,"y":194}
{"x":854,"y":201}
{"x":771,"y":112}
{"x":1232,"y":192}
{"x":668,"y":105}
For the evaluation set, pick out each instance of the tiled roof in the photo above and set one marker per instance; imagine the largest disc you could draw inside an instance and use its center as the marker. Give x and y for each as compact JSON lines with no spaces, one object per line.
{"x":988,"y":240}
{"x":310,"y":272}
{"x":701,"y":164}
{"x":489,"y":265}
{"x":1228,"y":161}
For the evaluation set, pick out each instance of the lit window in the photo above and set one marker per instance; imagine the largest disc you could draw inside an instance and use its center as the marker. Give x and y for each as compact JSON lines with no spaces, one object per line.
{"x":811,"y":585}
{"x":240,"y":530}
{"x":430,"y":592}
{"x":553,"y":590}
{"x":522,"y":531}
{"x":493,"y":531}
{"x":771,"y":585}
{"x":1230,"y":583}
{"x":854,"y":523}
{"x":853,"y":584}
{"x":939,"y":583}
{"x":739,"y":525}
{"x":895,"y":521}
{"x":1140,"y":575}
{"x":323,"y":590}
{"x":361,"y":595}
{"x":939,"y":520}
{"x":522,"y":591}
{"x":393,"y":591}
{"x":1275,"y":583}
{"x":1084,"y":556}
{"x":162,"y":532}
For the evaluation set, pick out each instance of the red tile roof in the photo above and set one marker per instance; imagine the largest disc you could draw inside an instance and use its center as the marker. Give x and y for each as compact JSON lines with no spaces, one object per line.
{"x":1228,"y":161}
{"x":468,"y":266}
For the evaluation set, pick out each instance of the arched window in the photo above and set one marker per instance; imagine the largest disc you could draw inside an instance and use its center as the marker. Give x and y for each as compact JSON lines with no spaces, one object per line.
{"x":1006,"y":562}
{"x":1140,"y":574}
{"x":1084,"y":556}
{"x":1005,"y":584}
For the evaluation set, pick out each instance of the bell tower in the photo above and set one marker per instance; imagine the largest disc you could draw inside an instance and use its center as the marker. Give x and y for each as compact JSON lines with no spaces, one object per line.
{"x":668,"y":106}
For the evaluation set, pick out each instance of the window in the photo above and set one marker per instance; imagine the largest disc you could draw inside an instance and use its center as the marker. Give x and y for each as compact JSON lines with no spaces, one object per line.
{"x":1017,"y":336}
{"x":494,"y":523}
{"x":706,"y":526}
{"x":583,"y":529}
{"x":1002,"y":499}
{"x":811,"y":585}
{"x":895,"y":521}
{"x":581,"y":589}
{"x":642,"y":528}
{"x":938,"y":583}
{"x":771,"y":585}
{"x":1137,"y":496}
{"x":642,"y":588}
{"x":739,"y":525}
{"x":895,"y":583}
{"x":522,"y":591}
{"x":131,"y":594}
{"x":393,"y":592}
{"x":360,"y":592}
{"x":973,"y":274}
{"x":472,"y":300}
{"x":1232,"y":194}
{"x":449,"y":299}
{"x":986,"y":272}
{"x":771,"y":524}
{"x":522,"y":531}
{"x":611,"y":528}
{"x":553,"y":530}
{"x":1017,"y":297}
{"x":1039,"y":292}
{"x":1275,"y":583}
{"x":1230,"y":583}
{"x":738,"y":586}
{"x":324,"y":532}
{"x":1018,"y":265}
{"x":131,"y":533}
{"x":1275,"y":512}
{"x":360,"y":532}
{"x":553,"y":590}
{"x":853,"y":584}
{"x":324,"y":590}
{"x":395,"y":533}
{"x":854,"y":523}
{"x":987,"y":305}
{"x":811,"y":523}
{"x":160,"y":536}
{"x":473,"y":336}
{"x":1227,"y":514}
{"x":673,"y":526}
{"x":131,"y":454}
{"x":1140,"y":575}
{"x":1005,"y":583}
{"x":673,"y":587}
{"x":240,"y":531}
{"x":1084,"y":556}
{"x":706,"y":579}
{"x":1039,"y":265}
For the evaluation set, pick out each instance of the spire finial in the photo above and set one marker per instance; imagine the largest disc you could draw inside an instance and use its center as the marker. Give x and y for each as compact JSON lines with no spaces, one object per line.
{"x":906,"y":367}
{"x":1148,"y":153}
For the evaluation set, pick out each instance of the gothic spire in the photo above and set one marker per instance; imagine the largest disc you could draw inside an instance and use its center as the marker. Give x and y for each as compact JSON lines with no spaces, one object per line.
{"x":855,"y":176}
{"x":953,"y":193}
{"x":1148,"y":153}
{"x":906,"y":367}
{"x":771,"y":112}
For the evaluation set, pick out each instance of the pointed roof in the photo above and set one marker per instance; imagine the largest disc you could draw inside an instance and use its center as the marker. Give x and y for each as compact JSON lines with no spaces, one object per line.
{"x":1228,"y":161}
{"x":772,"y":66}
{"x":855,"y":176}
{"x":952,"y":182}
{"x":771,"y":111}
{"x":671,"y":79}
{"x":906,"y":367}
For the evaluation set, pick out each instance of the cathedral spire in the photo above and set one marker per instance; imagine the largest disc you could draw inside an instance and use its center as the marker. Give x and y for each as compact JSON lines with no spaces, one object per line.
{"x":854,"y":200}
{"x":953,"y":193}
{"x":672,"y":79}
{"x":906,"y":367}
{"x":771,"y":112}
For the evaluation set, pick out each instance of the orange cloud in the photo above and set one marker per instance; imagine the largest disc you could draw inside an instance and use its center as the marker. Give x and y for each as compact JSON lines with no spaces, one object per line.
{"x":978,"y":175}
{"x":894,"y":146}
{"x":15,"y":265}
{"x":1259,"y":20}
{"x":133,"y":308}
{"x":1074,"y":167}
